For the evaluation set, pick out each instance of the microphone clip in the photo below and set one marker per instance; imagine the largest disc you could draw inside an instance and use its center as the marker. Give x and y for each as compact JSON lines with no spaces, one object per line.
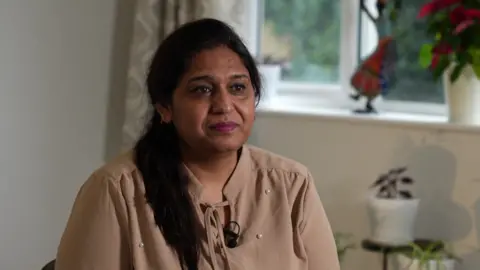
{"x":231,"y":234}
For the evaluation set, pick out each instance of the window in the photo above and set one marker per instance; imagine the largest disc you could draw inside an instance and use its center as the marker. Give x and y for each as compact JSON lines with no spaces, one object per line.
{"x":322,"y":41}
{"x":310,"y":44}
{"x":415,"y":84}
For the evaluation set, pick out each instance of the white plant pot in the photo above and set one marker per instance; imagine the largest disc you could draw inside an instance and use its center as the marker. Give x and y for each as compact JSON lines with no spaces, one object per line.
{"x":393,"y":220}
{"x":271,"y":75}
{"x":463,"y":97}
{"x":406,"y":263}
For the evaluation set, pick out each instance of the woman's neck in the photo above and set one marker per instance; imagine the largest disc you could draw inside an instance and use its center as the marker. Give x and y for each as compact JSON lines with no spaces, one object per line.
{"x":212,"y":171}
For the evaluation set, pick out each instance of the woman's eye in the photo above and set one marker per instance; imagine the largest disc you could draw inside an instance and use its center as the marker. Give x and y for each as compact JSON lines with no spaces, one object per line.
{"x":202,"y":89}
{"x":238,"y":87}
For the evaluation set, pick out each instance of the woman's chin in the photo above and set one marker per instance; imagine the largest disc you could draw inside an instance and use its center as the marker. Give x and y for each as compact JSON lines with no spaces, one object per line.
{"x":226,"y":145}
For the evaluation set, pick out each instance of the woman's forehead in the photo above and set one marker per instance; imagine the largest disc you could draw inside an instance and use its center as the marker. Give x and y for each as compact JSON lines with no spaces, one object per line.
{"x":220,"y":59}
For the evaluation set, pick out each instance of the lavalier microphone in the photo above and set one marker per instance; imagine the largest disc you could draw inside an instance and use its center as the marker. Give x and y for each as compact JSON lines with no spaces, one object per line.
{"x":231,"y":232}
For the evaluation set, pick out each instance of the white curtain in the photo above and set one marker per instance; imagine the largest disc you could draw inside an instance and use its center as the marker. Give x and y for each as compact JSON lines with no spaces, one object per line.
{"x":154,"y":19}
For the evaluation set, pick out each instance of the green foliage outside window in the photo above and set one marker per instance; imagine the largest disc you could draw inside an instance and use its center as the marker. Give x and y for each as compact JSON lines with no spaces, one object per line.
{"x":313,"y":27}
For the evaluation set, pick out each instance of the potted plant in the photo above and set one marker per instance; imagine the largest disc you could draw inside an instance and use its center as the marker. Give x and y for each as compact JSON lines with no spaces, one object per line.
{"x":393,"y":209}
{"x":433,"y":257}
{"x":271,"y":72}
{"x":344,"y":243}
{"x":454,"y":54}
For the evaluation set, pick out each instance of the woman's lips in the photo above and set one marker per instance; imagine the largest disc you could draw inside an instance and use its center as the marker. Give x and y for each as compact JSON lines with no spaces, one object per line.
{"x":224,"y":127}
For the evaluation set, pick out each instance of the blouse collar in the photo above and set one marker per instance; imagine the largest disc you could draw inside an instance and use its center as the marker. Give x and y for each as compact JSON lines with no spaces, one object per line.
{"x":240,"y":176}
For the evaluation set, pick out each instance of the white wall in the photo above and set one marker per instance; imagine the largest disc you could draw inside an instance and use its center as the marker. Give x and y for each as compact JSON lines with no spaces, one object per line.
{"x":54,"y":90}
{"x":345,"y":156}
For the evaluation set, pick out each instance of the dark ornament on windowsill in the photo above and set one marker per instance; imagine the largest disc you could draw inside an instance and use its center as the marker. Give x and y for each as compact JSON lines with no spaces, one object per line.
{"x":375,"y":74}
{"x":369,"y":109}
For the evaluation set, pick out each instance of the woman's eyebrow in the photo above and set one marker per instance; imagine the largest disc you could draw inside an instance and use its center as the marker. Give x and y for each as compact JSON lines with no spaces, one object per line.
{"x":239,"y":76}
{"x":201,"y":78}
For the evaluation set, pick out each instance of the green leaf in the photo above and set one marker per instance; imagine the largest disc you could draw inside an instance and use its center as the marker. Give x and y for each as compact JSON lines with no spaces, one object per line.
{"x":453,"y":41}
{"x":457,"y":70}
{"x":476,"y":70}
{"x":393,"y":15}
{"x":442,"y":65}
{"x":475,"y":54}
{"x":475,"y":38}
{"x":463,"y":58}
{"x":426,"y":56}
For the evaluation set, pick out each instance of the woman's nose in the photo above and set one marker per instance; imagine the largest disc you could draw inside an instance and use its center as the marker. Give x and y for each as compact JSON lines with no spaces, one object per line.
{"x":222,"y":102}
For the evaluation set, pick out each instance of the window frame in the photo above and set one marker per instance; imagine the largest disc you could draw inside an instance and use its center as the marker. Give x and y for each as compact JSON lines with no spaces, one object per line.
{"x":336,"y":96}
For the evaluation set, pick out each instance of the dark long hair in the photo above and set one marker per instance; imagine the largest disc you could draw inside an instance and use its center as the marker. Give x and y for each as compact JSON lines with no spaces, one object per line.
{"x":157,"y":153}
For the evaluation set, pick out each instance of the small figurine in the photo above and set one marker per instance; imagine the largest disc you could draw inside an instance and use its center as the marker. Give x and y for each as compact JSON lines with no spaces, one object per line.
{"x":376,"y":73}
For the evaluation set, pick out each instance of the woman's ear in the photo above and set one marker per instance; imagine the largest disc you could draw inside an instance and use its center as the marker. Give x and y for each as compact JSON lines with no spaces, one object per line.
{"x":164,"y":112}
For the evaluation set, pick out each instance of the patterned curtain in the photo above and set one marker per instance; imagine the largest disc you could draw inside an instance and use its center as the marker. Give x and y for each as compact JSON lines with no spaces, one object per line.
{"x":154,"y":20}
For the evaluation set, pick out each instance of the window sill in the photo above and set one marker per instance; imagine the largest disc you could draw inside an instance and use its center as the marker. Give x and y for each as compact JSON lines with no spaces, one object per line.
{"x":438,"y":123}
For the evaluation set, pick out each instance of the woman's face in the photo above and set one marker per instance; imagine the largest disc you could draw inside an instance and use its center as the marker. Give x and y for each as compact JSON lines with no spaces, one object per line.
{"x":213,"y":107}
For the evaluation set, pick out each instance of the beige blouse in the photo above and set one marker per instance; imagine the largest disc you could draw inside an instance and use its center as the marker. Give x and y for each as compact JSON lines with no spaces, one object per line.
{"x":282,"y":221}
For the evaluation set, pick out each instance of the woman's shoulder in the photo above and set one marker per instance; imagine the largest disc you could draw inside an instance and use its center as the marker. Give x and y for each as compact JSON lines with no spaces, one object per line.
{"x":119,"y":167}
{"x":283,"y":174}
{"x":119,"y":175}
{"x":265,"y":160}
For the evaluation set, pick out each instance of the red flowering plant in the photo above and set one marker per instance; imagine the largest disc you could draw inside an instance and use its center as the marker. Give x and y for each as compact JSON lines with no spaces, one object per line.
{"x":454,"y":26}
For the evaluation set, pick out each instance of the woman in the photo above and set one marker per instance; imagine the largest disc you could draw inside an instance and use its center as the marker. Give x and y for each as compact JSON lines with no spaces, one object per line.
{"x":192,"y":195}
